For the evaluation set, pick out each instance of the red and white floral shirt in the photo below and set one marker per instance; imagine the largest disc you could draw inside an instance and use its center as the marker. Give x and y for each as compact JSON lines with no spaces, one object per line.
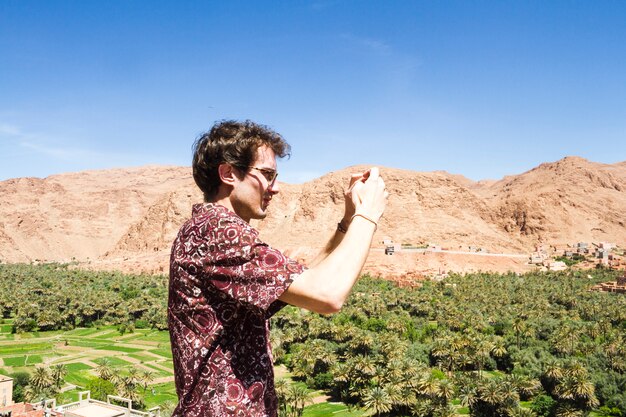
{"x":224,"y":286}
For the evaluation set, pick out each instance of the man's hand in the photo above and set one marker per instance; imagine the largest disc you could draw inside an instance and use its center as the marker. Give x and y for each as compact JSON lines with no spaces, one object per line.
{"x":369,"y":196}
{"x":349,"y":204}
{"x":324,"y":287}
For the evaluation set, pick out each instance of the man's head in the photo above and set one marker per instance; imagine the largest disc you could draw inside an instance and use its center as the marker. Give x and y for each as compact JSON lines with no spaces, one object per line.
{"x":233,"y":150}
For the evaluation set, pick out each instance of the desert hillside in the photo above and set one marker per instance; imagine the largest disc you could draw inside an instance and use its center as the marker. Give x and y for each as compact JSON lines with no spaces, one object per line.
{"x":126,"y":218}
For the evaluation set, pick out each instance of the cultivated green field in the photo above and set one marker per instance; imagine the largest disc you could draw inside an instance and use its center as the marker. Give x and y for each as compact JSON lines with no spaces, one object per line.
{"x":82,"y":349}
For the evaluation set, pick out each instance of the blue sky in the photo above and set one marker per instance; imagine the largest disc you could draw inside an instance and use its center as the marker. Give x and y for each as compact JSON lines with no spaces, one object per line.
{"x":479,"y":88}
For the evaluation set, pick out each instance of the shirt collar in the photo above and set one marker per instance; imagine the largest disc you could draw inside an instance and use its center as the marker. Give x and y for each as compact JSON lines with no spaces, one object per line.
{"x":204,"y":208}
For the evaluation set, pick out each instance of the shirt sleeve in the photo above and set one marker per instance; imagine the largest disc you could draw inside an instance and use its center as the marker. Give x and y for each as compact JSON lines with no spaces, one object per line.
{"x":248,"y":270}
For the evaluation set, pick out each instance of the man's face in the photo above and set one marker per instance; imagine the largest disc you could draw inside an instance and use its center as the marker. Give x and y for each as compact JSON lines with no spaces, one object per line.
{"x":252,"y":194}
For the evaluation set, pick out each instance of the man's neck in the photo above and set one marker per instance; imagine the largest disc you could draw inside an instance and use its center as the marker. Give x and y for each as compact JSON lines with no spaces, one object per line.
{"x":225,"y":201}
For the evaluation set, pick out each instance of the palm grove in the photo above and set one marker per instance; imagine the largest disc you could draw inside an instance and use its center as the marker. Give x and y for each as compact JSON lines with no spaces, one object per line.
{"x":488,"y":344}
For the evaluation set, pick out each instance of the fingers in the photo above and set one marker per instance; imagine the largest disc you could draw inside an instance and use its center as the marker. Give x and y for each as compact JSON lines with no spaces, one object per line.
{"x":357,"y":188}
{"x":354,"y":178}
{"x":369,"y":194}
{"x":374,"y":174}
{"x":376,"y":180}
{"x":363,"y":176}
{"x":370,"y":178}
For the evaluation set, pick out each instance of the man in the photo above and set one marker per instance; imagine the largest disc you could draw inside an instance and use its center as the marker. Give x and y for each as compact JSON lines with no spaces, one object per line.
{"x":225,"y":283}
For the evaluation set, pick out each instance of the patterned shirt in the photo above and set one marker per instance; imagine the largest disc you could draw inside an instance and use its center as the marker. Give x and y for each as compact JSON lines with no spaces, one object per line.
{"x":224,"y":286}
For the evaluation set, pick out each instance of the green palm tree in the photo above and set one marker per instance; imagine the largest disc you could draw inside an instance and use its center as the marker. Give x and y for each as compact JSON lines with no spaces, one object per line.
{"x":377,"y":400}
{"x":522,"y":412}
{"x":127,"y":388}
{"x":133,"y":373}
{"x":59,"y":372}
{"x":498,"y":348}
{"x":41,"y":378}
{"x":281,"y":388}
{"x":446,"y":410}
{"x":568,"y":410}
{"x":445,"y":391}
{"x":33,"y":394}
{"x":525,"y":386}
{"x":105,"y":369}
{"x":519,"y":327}
{"x":365,"y":365}
{"x":167,"y":408}
{"x":428,"y":386}
{"x":298,"y":397}
{"x":145,"y":378}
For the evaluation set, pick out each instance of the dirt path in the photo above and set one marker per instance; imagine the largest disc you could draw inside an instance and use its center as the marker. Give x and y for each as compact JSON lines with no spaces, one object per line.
{"x":162,"y":367}
{"x":162,"y":380}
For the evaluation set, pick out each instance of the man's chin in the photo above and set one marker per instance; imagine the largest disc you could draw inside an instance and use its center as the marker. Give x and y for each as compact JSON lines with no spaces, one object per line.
{"x":260,"y":215}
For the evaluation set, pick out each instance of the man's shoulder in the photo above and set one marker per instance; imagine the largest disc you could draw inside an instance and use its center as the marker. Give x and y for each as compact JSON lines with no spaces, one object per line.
{"x":219,"y":216}
{"x":209,"y":219}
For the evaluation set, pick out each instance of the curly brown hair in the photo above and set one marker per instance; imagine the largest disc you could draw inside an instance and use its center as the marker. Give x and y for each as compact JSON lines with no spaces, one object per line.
{"x":234,"y":143}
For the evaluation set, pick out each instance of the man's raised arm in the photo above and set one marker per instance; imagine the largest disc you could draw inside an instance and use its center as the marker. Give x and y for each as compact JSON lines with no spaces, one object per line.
{"x":342,"y":227}
{"x":326,"y":285}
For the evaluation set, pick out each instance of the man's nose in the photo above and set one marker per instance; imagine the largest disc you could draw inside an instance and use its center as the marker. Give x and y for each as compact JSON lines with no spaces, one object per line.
{"x":274,"y":188}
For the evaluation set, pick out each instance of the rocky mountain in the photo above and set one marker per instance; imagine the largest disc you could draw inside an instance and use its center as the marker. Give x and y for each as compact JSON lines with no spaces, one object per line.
{"x":127,"y":218}
{"x":568,"y":200}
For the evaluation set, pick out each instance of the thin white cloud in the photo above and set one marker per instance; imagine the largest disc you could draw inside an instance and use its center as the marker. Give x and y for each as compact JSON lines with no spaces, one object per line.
{"x":61,"y":153}
{"x":57,"y":150}
{"x":323,"y":5}
{"x":41,"y":144}
{"x":400,"y":67}
{"x":375,"y":45}
{"x":9,"y":130}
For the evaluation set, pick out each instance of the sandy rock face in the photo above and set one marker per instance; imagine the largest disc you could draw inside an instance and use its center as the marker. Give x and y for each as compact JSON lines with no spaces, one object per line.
{"x":568,"y":200}
{"x":127,"y":218}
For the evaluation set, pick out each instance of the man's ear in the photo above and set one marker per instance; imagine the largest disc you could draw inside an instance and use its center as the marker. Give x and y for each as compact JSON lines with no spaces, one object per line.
{"x":227,"y":174}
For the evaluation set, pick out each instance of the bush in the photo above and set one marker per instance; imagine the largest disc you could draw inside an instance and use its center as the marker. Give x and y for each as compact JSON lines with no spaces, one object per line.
{"x":608,"y":411}
{"x":323,"y":380}
{"x":100,"y":388}
{"x":23,"y":324}
{"x":543,"y":406}
{"x":142,"y":324}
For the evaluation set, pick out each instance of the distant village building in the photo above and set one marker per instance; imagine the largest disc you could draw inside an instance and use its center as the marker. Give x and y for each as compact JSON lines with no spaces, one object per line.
{"x":440,"y":276}
{"x":87,"y":407}
{"x":618,"y":286}
{"x":6,"y":391}
{"x":539,"y":256}
{"x":536,"y":258}
{"x":606,"y":245}
{"x":9,"y":408}
{"x":23,"y":410}
{"x":603,"y":255}
{"x":582,"y":247}
{"x":615,"y":262}
{"x":84,"y":407}
{"x":389,"y":246}
{"x":555,"y":265}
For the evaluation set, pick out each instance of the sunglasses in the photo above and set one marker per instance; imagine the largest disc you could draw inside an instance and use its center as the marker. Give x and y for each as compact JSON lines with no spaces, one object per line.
{"x":269,"y":174}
